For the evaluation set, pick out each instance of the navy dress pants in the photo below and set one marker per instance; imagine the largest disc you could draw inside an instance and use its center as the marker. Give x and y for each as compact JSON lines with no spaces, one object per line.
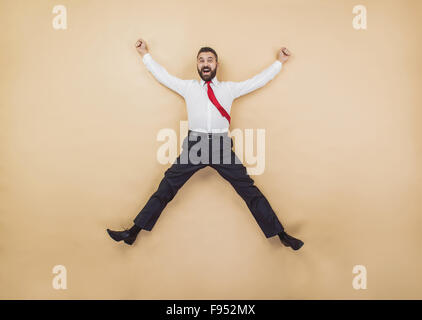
{"x":198,"y":151}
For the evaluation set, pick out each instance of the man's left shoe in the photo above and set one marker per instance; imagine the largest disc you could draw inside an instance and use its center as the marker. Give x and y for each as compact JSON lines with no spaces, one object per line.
{"x":289,"y":241}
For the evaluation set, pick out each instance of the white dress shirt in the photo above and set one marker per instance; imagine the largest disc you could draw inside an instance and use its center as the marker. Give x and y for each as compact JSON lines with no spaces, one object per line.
{"x":203,"y":116}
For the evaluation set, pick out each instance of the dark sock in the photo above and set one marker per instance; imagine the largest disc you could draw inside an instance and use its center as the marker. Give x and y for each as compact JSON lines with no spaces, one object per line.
{"x":135,"y":229}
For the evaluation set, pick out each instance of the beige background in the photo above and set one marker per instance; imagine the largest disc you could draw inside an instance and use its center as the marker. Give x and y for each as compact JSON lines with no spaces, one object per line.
{"x":79,"y":119}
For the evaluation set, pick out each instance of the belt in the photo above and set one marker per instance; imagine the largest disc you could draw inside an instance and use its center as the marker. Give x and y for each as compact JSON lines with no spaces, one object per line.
{"x":209,"y":135}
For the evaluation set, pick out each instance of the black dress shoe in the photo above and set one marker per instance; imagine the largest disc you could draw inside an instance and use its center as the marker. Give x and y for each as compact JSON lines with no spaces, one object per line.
{"x":125,"y":235}
{"x":289,"y":241}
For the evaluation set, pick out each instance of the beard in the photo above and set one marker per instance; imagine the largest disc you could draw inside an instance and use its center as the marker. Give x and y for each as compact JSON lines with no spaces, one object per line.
{"x":209,"y":76}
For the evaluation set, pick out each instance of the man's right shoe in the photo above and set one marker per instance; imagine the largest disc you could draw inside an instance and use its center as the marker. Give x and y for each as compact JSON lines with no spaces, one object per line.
{"x":290,"y":241}
{"x":125,"y":235}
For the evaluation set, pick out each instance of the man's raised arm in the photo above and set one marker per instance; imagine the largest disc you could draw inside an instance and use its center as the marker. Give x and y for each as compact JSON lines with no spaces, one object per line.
{"x":159,"y":72}
{"x":241,"y":88}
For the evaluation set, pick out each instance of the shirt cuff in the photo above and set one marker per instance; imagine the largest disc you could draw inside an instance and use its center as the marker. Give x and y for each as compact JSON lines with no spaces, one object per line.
{"x":146,"y":58}
{"x":278,"y":63}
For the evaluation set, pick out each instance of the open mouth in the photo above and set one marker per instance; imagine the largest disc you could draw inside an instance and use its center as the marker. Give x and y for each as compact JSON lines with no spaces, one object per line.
{"x":206,"y":71}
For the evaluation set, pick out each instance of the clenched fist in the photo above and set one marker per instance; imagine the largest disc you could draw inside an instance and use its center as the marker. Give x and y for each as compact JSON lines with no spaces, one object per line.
{"x":283,"y":55}
{"x":141,"y":47}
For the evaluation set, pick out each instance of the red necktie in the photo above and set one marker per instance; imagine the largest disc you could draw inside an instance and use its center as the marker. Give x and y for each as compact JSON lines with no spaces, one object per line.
{"x":216,"y":103}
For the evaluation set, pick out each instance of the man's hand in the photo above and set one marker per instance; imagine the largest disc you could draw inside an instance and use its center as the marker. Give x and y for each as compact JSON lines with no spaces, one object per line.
{"x":141,"y":47}
{"x":283,"y":55}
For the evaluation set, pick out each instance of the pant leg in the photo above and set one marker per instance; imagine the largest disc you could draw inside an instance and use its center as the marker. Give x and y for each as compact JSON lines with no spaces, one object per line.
{"x":174,"y":178}
{"x":235,"y":173}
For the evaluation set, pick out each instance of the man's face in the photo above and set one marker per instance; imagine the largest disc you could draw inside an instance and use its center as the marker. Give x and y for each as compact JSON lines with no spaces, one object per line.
{"x":207,"y":65}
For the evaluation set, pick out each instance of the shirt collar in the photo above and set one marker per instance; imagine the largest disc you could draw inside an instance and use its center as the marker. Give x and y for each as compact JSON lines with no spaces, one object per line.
{"x":214,"y":81}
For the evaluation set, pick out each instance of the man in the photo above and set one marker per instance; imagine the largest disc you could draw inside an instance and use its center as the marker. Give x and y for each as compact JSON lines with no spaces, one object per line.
{"x":208,"y":104}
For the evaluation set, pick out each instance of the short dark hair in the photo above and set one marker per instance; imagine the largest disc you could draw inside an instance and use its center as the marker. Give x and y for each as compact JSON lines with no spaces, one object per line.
{"x":207,"y":49}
